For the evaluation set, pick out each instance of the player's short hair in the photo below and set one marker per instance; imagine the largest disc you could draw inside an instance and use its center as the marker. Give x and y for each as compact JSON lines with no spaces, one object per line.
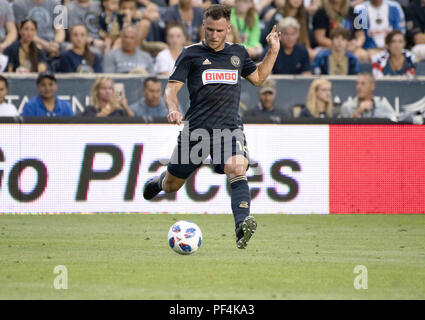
{"x":340,"y":32}
{"x":3,"y":79}
{"x":288,"y":22}
{"x":217,"y":11}
{"x":152,"y":78}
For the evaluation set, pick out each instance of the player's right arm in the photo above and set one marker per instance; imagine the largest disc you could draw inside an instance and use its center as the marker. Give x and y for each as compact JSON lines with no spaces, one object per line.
{"x":175,"y":83}
{"x":172,"y":102}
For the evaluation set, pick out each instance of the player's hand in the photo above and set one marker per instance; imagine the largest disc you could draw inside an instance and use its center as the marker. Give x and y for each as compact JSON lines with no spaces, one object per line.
{"x":273,"y":40}
{"x":175,"y":117}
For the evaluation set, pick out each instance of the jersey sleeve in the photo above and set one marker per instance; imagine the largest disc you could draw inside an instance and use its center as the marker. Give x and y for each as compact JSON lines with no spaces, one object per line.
{"x":248,"y":65}
{"x":181,"y":68}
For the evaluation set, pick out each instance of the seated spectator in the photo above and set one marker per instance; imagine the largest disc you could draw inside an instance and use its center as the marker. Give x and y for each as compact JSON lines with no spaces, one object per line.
{"x":132,"y":16}
{"x":383,"y":16}
{"x":166,"y":59}
{"x":151,"y":105}
{"x":105,"y":102}
{"x":295,"y":9}
{"x":6,"y":109}
{"x":8,"y":32}
{"x":319,"y":101}
{"x":49,"y":36}
{"x":191,"y":17}
{"x":110,"y":22}
{"x":333,"y":14}
{"x":86,"y":12}
{"x":24,"y":55}
{"x":395,"y":61}
{"x":246,"y":22}
{"x":47,"y":104}
{"x":79,"y":58}
{"x":415,"y":23}
{"x":292,"y":57}
{"x":365,"y":105}
{"x":128,"y":58}
{"x":266,"y":107}
{"x":337,"y":61}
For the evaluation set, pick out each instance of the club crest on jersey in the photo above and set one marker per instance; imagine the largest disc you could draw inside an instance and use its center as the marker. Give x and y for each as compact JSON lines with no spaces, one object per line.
{"x":220,"y":76}
{"x":235,"y":61}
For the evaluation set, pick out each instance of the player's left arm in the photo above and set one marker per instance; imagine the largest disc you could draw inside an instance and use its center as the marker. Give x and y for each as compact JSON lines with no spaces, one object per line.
{"x":264,"y":68}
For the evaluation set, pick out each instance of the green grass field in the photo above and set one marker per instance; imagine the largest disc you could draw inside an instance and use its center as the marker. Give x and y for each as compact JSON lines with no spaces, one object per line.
{"x":119,"y":256}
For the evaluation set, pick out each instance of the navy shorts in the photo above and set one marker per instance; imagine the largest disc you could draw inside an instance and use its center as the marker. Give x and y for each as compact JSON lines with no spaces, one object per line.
{"x":192,"y":151}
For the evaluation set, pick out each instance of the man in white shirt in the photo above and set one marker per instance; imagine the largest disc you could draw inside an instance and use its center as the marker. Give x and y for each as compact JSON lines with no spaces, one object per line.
{"x":6,"y":109}
{"x":365,"y":104}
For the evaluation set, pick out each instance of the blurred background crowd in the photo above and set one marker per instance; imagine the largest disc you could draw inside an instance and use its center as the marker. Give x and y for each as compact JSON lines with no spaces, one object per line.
{"x":372,"y":39}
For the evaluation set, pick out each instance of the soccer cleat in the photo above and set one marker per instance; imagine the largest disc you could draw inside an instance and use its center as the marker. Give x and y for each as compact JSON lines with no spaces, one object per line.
{"x":151,"y":188}
{"x":245,"y":231}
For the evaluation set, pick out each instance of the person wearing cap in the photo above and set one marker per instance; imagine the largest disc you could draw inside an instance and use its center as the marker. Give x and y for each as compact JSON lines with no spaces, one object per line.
{"x":46,"y":103}
{"x":266,"y":108}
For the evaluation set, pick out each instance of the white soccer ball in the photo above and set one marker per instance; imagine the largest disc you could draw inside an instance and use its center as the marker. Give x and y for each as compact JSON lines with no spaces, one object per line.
{"x":184,"y":237}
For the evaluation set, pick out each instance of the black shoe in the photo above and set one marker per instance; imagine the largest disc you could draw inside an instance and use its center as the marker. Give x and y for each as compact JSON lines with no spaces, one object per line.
{"x":245,"y":231}
{"x":151,"y":188}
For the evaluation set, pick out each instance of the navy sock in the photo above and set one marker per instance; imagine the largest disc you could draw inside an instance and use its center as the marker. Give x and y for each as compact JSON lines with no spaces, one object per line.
{"x":160,"y":179}
{"x":241,"y":198}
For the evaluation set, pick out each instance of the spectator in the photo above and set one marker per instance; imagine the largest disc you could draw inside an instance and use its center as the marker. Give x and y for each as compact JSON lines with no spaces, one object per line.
{"x":415,"y":23}
{"x":334,"y":13}
{"x":49,"y":37}
{"x":47,"y":104}
{"x":266,"y":107}
{"x":128,"y":58}
{"x":293,"y":57}
{"x":24,"y":55}
{"x":365,"y":104}
{"x":105,"y":102}
{"x":337,"y":61}
{"x":191,"y":17}
{"x":383,"y":16}
{"x":151,"y":105}
{"x":79,"y":58}
{"x":165,"y":60}
{"x":319,"y":100}
{"x":6,"y":109}
{"x":295,"y":9}
{"x":8,"y":32}
{"x":110,"y":22}
{"x":130,"y":14}
{"x":395,"y":61}
{"x":245,"y":20}
{"x":86,"y":12}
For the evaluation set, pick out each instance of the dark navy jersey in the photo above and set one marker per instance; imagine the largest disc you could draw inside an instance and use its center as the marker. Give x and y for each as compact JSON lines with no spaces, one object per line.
{"x":214,"y":84}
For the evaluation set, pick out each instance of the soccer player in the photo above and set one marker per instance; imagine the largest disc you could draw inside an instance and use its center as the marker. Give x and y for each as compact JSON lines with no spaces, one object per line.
{"x":213,"y":69}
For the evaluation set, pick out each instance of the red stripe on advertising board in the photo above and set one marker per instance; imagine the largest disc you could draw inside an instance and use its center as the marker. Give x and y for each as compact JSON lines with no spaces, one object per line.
{"x":376,"y":169}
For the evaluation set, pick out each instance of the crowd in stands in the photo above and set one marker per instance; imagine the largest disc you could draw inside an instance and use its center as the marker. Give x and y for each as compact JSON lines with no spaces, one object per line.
{"x":320,"y":37}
